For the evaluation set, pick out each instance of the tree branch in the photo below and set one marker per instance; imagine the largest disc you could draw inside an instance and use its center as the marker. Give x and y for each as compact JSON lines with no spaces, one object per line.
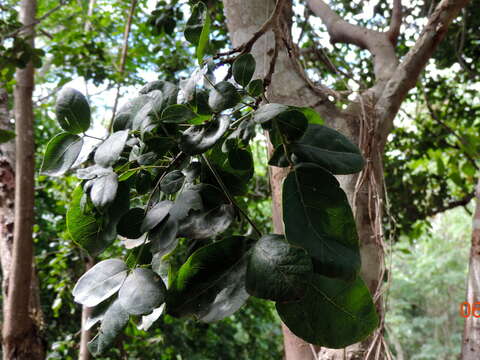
{"x":452,"y":204}
{"x":395,"y":22}
{"x":341,"y":31}
{"x":405,"y":76}
{"x":123,"y":56}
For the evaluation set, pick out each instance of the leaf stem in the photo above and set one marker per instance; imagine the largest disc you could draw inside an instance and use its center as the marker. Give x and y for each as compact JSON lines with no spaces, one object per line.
{"x":229,"y":196}
{"x":93,"y":137}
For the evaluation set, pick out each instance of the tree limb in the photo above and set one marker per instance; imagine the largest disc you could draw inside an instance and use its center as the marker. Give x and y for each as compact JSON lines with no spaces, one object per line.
{"x":341,"y":31}
{"x":123,"y":56}
{"x":395,"y":22}
{"x":452,"y":204}
{"x":405,"y":76}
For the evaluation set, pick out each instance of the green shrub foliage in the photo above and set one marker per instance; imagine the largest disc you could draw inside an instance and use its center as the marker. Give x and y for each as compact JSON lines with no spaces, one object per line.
{"x":174,"y":166}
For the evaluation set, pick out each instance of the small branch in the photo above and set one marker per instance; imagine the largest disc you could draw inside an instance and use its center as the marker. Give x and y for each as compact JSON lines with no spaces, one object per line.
{"x":123,"y":57}
{"x":341,"y":31}
{"x":395,"y":22}
{"x":452,"y":204}
{"x":229,"y":196}
{"x":406,"y":74}
{"x":247,"y":46}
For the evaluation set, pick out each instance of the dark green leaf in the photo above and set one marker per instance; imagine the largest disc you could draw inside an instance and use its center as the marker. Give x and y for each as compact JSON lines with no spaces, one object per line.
{"x":203,"y":224}
{"x":62,"y":151}
{"x":240,"y":159}
{"x":163,"y":236}
{"x":155,"y":215}
{"x":188,"y":199}
{"x":199,"y":138}
{"x":73,"y":111}
{"x":124,"y":118}
{"x":178,"y":114}
{"x":100,"y":282}
{"x":255,"y":88}
{"x":243,"y":69}
{"x":6,"y":135}
{"x":195,"y":23}
{"x":223,"y":96}
{"x":334,"y":313}
{"x":172,"y":182}
{"x":141,"y":292}
{"x":329,"y":149}
{"x":279,"y":158}
{"x":277,"y":270}
{"x":129,"y":225}
{"x":269,"y":112}
{"x":318,"y":217}
{"x":114,"y":320}
{"x":111,"y":149}
{"x":211,"y":283}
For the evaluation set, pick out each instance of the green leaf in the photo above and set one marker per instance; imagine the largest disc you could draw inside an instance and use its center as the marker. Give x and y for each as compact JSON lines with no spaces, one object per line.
{"x":114,"y":320}
{"x":279,"y":158}
{"x":210,"y":285}
{"x":141,"y":292}
{"x":110,"y":150}
{"x":329,"y":149}
{"x":334,"y":313}
{"x":223,"y":96}
{"x":178,"y":114}
{"x":243,"y":69}
{"x":172,"y":182}
{"x":6,"y":135}
{"x":277,"y":270}
{"x":155,"y":215}
{"x":124,"y":118}
{"x":318,"y":217}
{"x":85,"y":225}
{"x":163,"y":237}
{"x":103,"y":190}
{"x":73,"y":111}
{"x":100,"y":282}
{"x":199,"y":138}
{"x":269,"y":112}
{"x":204,"y":37}
{"x":195,"y":24}
{"x":62,"y":151}
{"x":130,"y":222}
{"x":312,"y":116}
{"x":255,"y":87}
{"x":207,"y":223}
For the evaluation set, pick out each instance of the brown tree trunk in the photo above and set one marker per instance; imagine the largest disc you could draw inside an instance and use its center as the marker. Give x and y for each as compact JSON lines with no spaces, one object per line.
{"x":471,"y":332}
{"x":20,"y":335}
{"x":85,"y":335}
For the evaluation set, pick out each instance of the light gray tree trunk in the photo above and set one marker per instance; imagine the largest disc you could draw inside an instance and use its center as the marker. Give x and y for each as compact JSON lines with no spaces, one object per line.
{"x":20,"y":335}
{"x":471,"y":332}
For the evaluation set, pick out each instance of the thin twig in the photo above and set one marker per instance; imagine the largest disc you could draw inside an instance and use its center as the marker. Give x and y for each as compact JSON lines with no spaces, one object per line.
{"x":247,"y":46}
{"x":229,"y":196}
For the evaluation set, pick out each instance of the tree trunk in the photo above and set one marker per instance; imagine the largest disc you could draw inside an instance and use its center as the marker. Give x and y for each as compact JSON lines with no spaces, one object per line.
{"x":471,"y":332}
{"x":85,"y":335}
{"x":7,"y":195}
{"x":20,"y":335}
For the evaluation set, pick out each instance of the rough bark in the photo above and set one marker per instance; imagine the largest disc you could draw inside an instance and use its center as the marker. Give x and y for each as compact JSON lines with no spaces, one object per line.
{"x":471,"y":332}
{"x":20,"y":335}
{"x":7,"y":195}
